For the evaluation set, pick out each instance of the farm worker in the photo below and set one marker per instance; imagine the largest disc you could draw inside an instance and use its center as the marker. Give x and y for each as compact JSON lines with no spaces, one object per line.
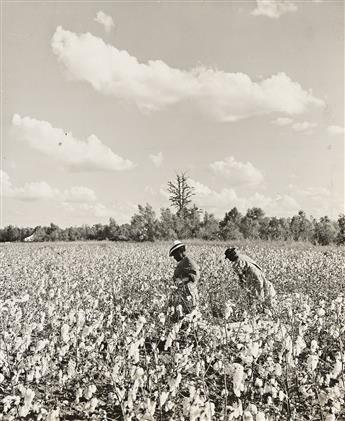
{"x":251,"y":277}
{"x":186,"y":275}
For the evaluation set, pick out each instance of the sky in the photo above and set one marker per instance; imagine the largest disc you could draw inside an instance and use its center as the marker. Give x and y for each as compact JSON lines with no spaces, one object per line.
{"x":104,"y":102}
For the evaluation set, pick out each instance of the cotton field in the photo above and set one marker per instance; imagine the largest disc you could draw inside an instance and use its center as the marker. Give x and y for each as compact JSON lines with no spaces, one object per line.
{"x":85,"y":335}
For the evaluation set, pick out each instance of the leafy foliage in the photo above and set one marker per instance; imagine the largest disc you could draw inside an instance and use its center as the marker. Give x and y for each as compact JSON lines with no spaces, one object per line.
{"x":192,"y":223}
{"x":340,"y":239}
{"x":180,"y":193}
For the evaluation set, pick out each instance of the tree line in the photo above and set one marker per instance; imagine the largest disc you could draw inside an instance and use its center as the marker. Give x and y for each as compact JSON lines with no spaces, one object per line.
{"x":188,"y":221}
{"x":145,"y":226}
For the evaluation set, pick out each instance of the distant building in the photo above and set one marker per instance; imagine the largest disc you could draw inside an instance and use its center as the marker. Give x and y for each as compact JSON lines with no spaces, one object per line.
{"x":30,"y":238}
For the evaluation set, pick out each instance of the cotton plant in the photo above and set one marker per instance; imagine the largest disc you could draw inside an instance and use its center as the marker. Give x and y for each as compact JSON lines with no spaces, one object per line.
{"x":76,"y":320}
{"x":28,"y":395}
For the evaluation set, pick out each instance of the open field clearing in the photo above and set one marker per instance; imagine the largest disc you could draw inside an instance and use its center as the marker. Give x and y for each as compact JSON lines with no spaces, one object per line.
{"x":84,"y":335}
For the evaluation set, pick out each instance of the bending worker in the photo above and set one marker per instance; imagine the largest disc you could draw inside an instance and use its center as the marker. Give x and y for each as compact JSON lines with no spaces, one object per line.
{"x":251,"y":277}
{"x":186,"y":275}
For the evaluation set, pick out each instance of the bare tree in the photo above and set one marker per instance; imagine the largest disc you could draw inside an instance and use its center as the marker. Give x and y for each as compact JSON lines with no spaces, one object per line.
{"x":180,"y":193}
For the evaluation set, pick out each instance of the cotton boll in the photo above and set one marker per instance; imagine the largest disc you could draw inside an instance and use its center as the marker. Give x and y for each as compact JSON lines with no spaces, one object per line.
{"x":53,"y":415}
{"x":247,"y":416}
{"x":337,"y":369}
{"x":260,"y":416}
{"x":65,"y":332}
{"x":314,"y":346}
{"x":312,"y":362}
{"x":252,"y":408}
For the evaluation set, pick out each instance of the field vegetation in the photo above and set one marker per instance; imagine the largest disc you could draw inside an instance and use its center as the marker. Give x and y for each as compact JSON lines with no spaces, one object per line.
{"x":85,"y":335}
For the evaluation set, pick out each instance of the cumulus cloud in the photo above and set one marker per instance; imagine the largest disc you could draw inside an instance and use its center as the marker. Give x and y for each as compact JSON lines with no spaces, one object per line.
{"x":239,"y":173}
{"x":273,"y":8}
{"x":78,"y":201}
{"x":41,"y":190}
{"x":335,"y":130}
{"x":283,"y":121}
{"x":157,"y":159}
{"x":153,"y":86}
{"x":77,"y":155}
{"x":304,"y":126}
{"x":149,"y":190}
{"x":29,"y":191}
{"x":35,"y":191}
{"x":5,"y":183}
{"x":311,"y":192}
{"x":105,"y":20}
{"x":164,"y":192}
{"x":122,"y":213}
{"x":319,"y":200}
{"x":79,"y":194}
{"x":96,"y":209}
{"x":219,"y":202}
{"x":298,"y":126}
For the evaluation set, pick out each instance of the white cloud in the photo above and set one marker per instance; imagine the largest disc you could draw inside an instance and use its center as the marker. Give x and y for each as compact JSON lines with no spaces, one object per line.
{"x":273,"y":8}
{"x":239,"y":173}
{"x":122,"y":213}
{"x":78,"y":202}
{"x":79,"y":194}
{"x":303,"y":126}
{"x":9,"y":164}
{"x":157,"y":159}
{"x":29,"y":191}
{"x":335,"y":130}
{"x":155,"y":85}
{"x":164,"y":192}
{"x":105,"y":20}
{"x":35,"y":191}
{"x":279,"y":205}
{"x":95,"y":209}
{"x":5,"y":183}
{"x":41,"y":190}
{"x":298,"y":126}
{"x":149,"y":190}
{"x":219,"y":202}
{"x":283,"y":121}
{"x":311,"y":192}
{"x":77,"y":155}
{"x":319,"y":200}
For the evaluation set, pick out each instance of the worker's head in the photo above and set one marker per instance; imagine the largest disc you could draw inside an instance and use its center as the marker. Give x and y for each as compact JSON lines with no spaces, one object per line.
{"x":177,"y":251}
{"x":231,"y":254}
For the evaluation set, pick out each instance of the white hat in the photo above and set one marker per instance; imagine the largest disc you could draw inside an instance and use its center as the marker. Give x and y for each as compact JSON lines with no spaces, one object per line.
{"x":177,"y":245}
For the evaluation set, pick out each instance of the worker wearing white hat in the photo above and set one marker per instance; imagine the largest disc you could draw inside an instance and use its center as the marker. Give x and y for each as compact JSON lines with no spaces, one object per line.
{"x":186,"y":276}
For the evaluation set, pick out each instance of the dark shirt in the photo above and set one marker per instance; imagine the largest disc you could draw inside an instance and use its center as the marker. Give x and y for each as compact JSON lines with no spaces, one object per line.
{"x":186,"y":277}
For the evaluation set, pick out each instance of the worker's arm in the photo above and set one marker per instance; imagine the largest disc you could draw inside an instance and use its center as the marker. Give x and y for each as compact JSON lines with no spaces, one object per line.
{"x":187,"y":278}
{"x":189,"y":273}
{"x":241,"y":279}
{"x":240,"y":267}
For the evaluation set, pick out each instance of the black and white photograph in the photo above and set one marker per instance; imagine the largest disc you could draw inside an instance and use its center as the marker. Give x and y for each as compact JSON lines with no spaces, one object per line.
{"x":172,"y":211}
